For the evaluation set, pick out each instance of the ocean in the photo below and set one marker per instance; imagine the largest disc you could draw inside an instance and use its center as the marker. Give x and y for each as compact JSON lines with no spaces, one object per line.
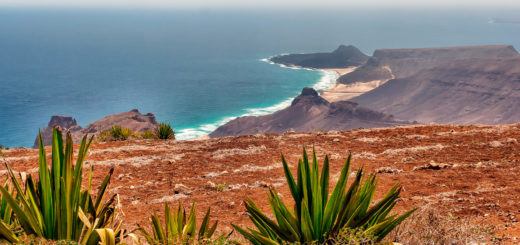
{"x":196,"y":69}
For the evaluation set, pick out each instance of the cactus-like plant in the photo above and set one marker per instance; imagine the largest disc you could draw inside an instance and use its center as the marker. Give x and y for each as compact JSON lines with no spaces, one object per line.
{"x":55,"y":207}
{"x":318,"y":217}
{"x":165,"y":132}
{"x":177,"y":229}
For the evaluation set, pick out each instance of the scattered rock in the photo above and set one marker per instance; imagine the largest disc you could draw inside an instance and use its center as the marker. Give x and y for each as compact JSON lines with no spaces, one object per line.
{"x":433,"y":165}
{"x":182,"y":189}
{"x":210,"y":185}
{"x":388,"y":170}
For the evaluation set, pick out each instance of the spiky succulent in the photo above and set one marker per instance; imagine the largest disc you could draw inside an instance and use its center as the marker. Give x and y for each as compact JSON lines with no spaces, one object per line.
{"x":318,"y":217}
{"x":177,"y":229}
{"x":55,"y":207}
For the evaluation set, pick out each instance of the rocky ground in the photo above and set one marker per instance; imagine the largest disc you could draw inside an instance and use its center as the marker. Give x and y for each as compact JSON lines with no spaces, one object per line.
{"x":466,"y":171}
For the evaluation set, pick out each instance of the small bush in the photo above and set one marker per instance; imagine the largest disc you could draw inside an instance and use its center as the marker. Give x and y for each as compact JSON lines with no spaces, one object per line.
{"x":115,"y":133}
{"x":147,"y":135}
{"x":165,"y":132}
{"x":125,"y":133}
{"x":221,"y":187}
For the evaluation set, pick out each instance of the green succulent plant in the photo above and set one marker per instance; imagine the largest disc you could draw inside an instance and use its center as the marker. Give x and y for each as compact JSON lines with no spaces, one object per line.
{"x":318,"y":217}
{"x":165,"y":132}
{"x":177,"y":229}
{"x":55,"y":207}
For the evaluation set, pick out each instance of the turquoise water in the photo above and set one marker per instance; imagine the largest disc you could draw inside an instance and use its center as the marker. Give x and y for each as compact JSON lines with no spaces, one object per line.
{"x":194,"y":69}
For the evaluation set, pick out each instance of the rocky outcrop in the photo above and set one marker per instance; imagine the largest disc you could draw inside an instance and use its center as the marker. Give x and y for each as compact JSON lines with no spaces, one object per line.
{"x":388,"y":64}
{"x":65,"y":123}
{"x":308,"y":112}
{"x":467,"y":91}
{"x":132,"y":120}
{"x":343,"y":56}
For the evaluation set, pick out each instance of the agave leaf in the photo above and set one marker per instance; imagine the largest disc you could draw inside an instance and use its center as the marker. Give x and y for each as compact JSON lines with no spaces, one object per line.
{"x":204,"y":226}
{"x":7,"y":233}
{"x":189,"y":229}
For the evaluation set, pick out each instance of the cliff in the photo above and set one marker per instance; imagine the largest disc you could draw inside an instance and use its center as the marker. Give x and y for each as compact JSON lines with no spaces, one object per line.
{"x":133,"y":120}
{"x":386,"y":64}
{"x":343,"y":56}
{"x":465,"y":91}
{"x":308,"y":112}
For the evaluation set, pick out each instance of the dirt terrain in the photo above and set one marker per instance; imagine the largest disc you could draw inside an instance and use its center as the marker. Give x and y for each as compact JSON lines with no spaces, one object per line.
{"x":466,"y":171}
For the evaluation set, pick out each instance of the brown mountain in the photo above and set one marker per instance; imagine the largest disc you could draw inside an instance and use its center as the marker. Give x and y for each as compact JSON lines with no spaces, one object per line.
{"x":133,"y":120}
{"x":388,"y":64}
{"x":465,"y":91}
{"x":307,"y":112}
{"x":343,"y":56}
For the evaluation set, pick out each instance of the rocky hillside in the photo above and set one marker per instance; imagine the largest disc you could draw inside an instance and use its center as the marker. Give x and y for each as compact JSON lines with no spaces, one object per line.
{"x":343,"y":56}
{"x":132,"y":120}
{"x":464,"y":171}
{"x":386,"y":64}
{"x":466,"y":91}
{"x":308,"y":112}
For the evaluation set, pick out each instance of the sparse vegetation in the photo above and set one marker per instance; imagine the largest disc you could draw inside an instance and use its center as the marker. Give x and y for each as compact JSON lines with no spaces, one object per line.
{"x":118,"y":133}
{"x":147,"y":135}
{"x":428,"y":226}
{"x":316,"y":217}
{"x":177,"y":229}
{"x":165,"y":132}
{"x":221,"y":187}
{"x":55,"y":207}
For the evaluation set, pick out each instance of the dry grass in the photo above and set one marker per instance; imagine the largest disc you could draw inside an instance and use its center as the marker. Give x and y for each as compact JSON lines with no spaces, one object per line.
{"x":427,"y":226}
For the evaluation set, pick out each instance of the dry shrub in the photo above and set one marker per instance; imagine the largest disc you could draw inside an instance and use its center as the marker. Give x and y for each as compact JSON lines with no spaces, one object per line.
{"x":427,"y":226}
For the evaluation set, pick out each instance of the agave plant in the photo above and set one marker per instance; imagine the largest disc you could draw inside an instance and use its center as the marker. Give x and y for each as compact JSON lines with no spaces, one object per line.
{"x":316,"y":217}
{"x":55,"y":207}
{"x":165,"y":132}
{"x":177,"y":229}
{"x":7,"y":222}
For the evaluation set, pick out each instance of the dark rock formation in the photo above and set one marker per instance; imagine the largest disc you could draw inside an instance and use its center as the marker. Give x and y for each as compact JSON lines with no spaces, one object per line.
{"x":343,"y":56}
{"x":65,"y":123}
{"x":465,"y":91}
{"x":388,"y":64}
{"x":308,"y":112}
{"x":132,"y":120}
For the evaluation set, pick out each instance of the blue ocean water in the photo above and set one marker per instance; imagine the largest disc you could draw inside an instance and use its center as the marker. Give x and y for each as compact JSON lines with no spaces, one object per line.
{"x":195,"y":68}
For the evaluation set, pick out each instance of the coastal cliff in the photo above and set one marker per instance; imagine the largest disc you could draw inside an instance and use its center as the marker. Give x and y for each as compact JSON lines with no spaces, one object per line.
{"x":132,"y":120}
{"x":343,"y":56}
{"x":388,"y":64}
{"x":309,"y":112}
{"x":464,"y":91}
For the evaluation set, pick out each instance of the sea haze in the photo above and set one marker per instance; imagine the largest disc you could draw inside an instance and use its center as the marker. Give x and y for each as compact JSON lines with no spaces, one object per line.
{"x":194,"y":69}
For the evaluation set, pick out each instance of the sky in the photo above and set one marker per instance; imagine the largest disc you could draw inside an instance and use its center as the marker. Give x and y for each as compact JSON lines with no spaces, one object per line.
{"x":258,"y":3}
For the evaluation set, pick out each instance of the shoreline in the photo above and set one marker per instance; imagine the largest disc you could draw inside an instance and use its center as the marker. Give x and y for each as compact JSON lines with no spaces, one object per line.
{"x":327,"y":81}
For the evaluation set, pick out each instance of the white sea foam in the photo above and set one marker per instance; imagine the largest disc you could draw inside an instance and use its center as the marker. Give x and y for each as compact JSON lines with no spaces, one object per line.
{"x":327,"y":80}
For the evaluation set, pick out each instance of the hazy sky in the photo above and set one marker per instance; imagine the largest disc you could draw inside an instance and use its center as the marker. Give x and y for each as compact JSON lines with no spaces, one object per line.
{"x":260,"y":3}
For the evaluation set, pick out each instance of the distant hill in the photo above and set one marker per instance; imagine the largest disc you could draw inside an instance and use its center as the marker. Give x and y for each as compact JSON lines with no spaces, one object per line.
{"x":343,"y":56}
{"x":388,"y":64}
{"x":132,"y":120}
{"x":307,"y":112}
{"x":465,"y":91}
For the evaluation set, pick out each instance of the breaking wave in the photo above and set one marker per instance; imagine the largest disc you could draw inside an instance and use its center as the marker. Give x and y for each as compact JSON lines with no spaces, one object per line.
{"x":326,"y":81}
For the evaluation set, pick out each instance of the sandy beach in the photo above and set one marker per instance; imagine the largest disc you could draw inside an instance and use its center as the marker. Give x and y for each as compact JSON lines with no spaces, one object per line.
{"x":342,"y":92}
